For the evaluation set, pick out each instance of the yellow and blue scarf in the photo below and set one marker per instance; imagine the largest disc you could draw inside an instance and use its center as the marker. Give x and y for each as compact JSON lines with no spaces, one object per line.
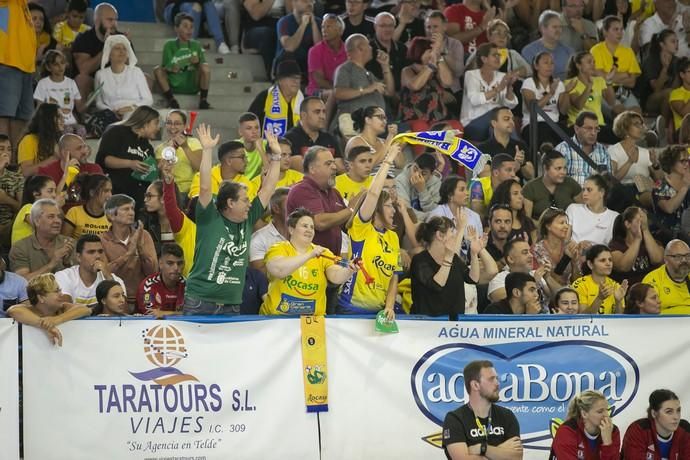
{"x":276,"y":111}
{"x":449,"y":144}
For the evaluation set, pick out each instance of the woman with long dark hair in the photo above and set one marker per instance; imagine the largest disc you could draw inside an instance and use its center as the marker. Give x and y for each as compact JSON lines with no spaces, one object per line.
{"x":155,"y":219}
{"x":555,"y":247}
{"x":659,"y":72}
{"x":510,"y":193}
{"x":662,"y":434}
{"x":371,"y":123}
{"x":634,"y":250}
{"x":39,"y":143}
{"x":124,"y":150}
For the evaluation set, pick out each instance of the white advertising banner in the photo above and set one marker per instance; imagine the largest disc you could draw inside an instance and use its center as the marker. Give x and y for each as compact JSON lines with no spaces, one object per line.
{"x":389,"y":394}
{"x":9,"y":390}
{"x":144,"y":389}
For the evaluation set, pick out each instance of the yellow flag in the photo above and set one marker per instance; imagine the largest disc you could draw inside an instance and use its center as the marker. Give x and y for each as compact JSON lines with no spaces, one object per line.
{"x":314,"y":370}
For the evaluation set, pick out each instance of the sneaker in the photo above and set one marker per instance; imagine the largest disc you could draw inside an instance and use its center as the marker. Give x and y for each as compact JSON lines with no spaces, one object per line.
{"x":234,"y":49}
{"x":204,"y":105}
{"x":173,"y":104}
{"x":223,"y":49}
{"x":660,"y":128}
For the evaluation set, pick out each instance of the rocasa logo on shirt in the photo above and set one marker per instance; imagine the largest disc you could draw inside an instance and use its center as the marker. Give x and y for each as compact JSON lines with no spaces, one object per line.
{"x":301,"y":287}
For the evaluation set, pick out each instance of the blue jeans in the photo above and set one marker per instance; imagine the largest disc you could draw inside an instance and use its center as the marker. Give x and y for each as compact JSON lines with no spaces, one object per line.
{"x":209,"y":11}
{"x":198,"y":307}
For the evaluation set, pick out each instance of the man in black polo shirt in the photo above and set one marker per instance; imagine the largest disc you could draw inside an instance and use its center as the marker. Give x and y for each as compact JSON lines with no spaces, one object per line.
{"x":480,"y":428}
{"x":523,"y":297}
{"x":311,"y":131}
{"x":500,"y":220}
{"x":503,"y":141}
{"x":88,"y":47}
{"x":384,"y":26}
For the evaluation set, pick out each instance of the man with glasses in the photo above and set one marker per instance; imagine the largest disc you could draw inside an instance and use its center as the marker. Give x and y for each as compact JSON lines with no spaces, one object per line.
{"x":586,"y":132}
{"x":356,"y":22}
{"x":671,"y":279}
{"x":579,"y":33}
{"x":551,"y":29}
{"x":232,"y":163}
{"x":384,"y":41}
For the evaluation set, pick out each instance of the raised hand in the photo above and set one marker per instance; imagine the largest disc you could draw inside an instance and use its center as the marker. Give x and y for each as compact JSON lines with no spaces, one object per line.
{"x":272,"y":140}
{"x":619,"y":293}
{"x":605,"y":290}
{"x":203,"y":133}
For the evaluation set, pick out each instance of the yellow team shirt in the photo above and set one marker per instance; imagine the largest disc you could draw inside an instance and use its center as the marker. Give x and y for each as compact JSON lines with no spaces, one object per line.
{"x":84,"y":223}
{"x":648,"y":11}
{"x":64,"y":35}
{"x":593,"y":103}
{"x":380,"y":254}
{"x":17,"y":43}
{"x":587,"y":291}
{"x":349,"y":188}
{"x":20,"y":228}
{"x":216,"y":179}
{"x":679,"y":94}
{"x":28,"y":149}
{"x":186,"y":238}
{"x":303,"y":292}
{"x":674,"y":297}
{"x":183,"y":171}
{"x":291,"y":178}
{"x":625,"y":59}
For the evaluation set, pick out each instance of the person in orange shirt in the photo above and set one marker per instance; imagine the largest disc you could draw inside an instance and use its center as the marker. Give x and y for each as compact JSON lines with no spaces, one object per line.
{"x":16,"y":68}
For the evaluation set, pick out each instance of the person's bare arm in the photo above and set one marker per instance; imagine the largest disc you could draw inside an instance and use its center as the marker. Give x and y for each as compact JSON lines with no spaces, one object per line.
{"x":208,"y":143}
{"x":268,"y":184}
{"x":86,"y":64}
{"x":292,"y":42}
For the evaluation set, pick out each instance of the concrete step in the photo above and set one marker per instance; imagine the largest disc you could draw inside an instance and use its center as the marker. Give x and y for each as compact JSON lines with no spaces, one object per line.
{"x":146,"y":29}
{"x":219,"y":73}
{"x":224,"y":103}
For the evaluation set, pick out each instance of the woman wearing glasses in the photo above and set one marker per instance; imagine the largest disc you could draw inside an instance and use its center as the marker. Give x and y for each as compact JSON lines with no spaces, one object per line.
{"x":588,"y":93}
{"x":370,"y":122}
{"x":670,"y":194}
{"x":187,"y":149}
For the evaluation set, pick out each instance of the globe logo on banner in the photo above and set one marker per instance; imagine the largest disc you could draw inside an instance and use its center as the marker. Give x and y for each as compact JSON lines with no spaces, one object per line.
{"x":537,"y":381}
{"x":164,"y":347}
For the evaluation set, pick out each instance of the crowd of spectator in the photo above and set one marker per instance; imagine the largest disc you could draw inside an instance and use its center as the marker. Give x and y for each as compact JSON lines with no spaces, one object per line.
{"x":314,"y":207}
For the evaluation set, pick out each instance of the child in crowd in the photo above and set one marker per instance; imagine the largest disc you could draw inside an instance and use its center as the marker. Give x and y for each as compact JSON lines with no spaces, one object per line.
{"x":11,"y":186}
{"x":56,"y":88}
{"x":46,"y":310}
{"x":66,"y":31}
{"x":184,"y":69}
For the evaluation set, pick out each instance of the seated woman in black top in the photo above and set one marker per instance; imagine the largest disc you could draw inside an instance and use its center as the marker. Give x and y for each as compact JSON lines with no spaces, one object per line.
{"x":438,"y":275}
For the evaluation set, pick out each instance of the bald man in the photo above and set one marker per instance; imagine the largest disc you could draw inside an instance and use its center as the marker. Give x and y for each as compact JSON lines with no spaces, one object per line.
{"x":671,"y":279}
{"x":72,"y":151}
{"x":88,"y":47}
{"x":355,"y":87}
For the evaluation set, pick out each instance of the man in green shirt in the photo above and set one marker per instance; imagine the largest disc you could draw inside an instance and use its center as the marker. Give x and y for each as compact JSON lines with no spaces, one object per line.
{"x":184,"y":69}
{"x":224,"y":229}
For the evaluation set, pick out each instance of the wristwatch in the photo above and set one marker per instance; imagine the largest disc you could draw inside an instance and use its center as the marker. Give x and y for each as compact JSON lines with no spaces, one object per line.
{"x":275,"y":157}
{"x":482,"y":448}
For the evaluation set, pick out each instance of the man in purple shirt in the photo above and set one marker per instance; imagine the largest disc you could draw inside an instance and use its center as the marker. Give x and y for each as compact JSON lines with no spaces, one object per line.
{"x":317,"y":193}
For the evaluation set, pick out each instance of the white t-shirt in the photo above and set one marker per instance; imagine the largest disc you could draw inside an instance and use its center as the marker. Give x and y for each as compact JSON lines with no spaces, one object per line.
{"x":653,"y":25}
{"x":262,"y":240}
{"x":640,"y":168}
{"x":71,"y":283}
{"x":63,"y":94}
{"x":588,"y":226}
{"x":551,"y":108}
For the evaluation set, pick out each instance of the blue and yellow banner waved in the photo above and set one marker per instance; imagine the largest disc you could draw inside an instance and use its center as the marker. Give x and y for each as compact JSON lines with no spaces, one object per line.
{"x":449,"y":144}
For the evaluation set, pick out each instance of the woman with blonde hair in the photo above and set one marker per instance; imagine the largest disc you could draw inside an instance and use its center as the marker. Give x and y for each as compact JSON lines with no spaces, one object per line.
{"x":588,"y":432}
